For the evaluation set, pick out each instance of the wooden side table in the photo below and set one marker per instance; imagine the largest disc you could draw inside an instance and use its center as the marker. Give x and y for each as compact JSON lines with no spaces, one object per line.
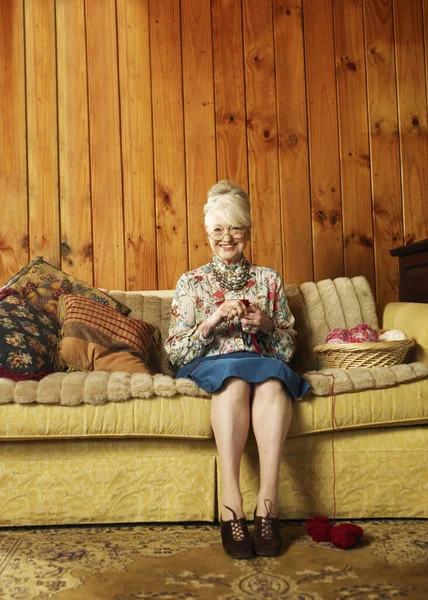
{"x":413,"y":265}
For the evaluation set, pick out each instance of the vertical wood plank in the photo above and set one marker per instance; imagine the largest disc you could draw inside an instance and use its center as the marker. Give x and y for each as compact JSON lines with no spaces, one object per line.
{"x":262,"y":133}
{"x":353,"y":140}
{"x":73,"y":137}
{"x":323,"y":139}
{"x":199,"y":125}
{"x":231,"y":128}
{"x":293,"y":137}
{"x":384,"y":147}
{"x":425,"y":18}
{"x":137,"y":144}
{"x":409,"y":41}
{"x":42,"y":130}
{"x":13,"y":171}
{"x":169,"y":151}
{"x":105,"y":155}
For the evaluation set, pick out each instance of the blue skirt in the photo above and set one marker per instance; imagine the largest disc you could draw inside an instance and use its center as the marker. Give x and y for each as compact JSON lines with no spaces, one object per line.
{"x":209,"y":372}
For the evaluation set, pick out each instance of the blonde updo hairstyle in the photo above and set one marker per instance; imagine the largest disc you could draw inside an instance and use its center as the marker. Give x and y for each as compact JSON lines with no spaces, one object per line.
{"x":229,"y":203}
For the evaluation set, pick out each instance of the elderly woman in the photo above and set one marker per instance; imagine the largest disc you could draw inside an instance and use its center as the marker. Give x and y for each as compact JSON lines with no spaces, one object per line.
{"x":232,"y":333}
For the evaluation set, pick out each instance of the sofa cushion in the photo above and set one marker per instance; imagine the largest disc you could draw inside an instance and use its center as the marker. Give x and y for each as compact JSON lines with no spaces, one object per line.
{"x":185,"y":416}
{"x":42,"y":284}
{"x":94,"y":337}
{"x":180,"y":417}
{"x":153,"y":308}
{"x":28,"y":339}
{"x":97,"y":387}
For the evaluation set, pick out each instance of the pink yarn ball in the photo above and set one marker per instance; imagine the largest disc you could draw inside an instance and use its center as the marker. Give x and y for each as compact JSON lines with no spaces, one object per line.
{"x":363,"y":333}
{"x":338,"y":335}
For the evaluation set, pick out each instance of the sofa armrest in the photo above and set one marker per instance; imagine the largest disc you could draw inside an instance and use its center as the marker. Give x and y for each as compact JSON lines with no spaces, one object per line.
{"x":412,"y":318}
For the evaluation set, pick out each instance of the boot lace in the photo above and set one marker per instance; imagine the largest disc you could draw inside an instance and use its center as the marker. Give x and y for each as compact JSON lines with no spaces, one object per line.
{"x":237,"y":526}
{"x":266,"y":522}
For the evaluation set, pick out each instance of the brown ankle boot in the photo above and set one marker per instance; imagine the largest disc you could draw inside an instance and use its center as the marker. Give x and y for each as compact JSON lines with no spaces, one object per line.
{"x":236,"y":539}
{"x":267,"y":533}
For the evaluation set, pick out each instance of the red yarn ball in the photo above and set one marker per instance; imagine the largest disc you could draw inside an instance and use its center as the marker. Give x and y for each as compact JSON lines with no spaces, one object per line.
{"x":363,"y":333}
{"x":338,"y":335}
{"x":319,"y":529}
{"x":345,"y":535}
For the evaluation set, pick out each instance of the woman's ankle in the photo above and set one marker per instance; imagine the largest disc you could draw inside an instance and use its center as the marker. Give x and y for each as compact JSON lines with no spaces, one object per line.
{"x":231,"y":508}
{"x":267,"y":503}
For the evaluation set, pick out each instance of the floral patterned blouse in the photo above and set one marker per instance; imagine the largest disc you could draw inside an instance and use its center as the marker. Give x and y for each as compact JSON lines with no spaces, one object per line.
{"x":198,"y":295}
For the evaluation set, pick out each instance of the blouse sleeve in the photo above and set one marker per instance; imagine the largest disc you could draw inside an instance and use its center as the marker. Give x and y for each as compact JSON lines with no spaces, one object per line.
{"x":281,"y":341}
{"x":185,"y":342}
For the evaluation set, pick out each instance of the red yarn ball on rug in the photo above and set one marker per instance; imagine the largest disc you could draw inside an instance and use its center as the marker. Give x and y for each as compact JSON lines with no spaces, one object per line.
{"x":319,"y":529}
{"x":343,"y":536}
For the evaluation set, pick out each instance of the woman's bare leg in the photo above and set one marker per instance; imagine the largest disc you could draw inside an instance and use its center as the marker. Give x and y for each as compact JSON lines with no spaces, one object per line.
{"x":230,"y":420}
{"x":271,"y":418}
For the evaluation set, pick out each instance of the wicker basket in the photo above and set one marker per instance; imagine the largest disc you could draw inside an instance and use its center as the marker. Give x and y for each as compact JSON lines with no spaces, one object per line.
{"x":373,"y":354}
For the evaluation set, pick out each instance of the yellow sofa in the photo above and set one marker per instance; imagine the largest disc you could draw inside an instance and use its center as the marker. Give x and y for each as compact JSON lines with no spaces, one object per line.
{"x":128,"y":448}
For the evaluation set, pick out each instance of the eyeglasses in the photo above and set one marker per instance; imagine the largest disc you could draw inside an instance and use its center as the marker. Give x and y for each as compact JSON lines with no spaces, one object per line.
{"x":218,"y":233}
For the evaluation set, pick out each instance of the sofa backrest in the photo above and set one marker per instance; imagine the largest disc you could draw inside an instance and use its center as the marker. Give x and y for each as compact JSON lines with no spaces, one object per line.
{"x":320,"y":307}
{"x":317,"y":308}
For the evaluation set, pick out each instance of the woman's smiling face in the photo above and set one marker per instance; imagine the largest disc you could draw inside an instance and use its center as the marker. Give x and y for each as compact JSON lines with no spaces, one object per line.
{"x":228,"y":249}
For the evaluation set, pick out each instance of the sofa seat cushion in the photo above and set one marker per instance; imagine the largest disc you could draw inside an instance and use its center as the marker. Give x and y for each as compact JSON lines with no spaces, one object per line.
{"x":180,"y":417}
{"x":183,"y":416}
{"x":405,"y":404}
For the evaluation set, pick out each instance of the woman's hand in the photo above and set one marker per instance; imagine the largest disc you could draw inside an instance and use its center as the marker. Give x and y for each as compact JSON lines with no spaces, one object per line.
{"x":256,"y":320}
{"x":227,"y":311}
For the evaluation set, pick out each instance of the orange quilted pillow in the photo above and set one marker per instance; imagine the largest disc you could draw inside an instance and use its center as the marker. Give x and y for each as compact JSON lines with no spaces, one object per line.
{"x":95,"y":337}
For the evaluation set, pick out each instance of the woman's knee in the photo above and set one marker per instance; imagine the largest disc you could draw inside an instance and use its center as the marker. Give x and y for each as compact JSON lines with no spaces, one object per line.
{"x":271,"y":389}
{"x":236,"y":388}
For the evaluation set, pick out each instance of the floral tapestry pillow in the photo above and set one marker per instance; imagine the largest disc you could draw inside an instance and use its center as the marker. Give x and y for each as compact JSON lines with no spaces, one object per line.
{"x":97,"y":338}
{"x":42,"y":284}
{"x":28,"y":340}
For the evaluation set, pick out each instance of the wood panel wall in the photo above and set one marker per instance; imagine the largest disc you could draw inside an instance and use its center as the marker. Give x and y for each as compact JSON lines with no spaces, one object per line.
{"x":117,"y":116}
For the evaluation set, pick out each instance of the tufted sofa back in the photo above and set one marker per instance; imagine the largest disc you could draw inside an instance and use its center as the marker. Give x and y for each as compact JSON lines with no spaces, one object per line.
{"x":317,"y":308}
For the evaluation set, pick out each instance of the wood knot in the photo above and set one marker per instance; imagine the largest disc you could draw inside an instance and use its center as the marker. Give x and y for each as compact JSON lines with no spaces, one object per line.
{"x":231,"y":118}
{"x":415,"y":121}
{"x":366,"y":241}
{"x":334,"y":219}
{"x":288,"y":11}
{"x":65,"y":249}
{"x":256,"y":59}
{"x":293,"y":139}
{"x":88,"y":251}
{"x":25,"y":242}
{"x":320,"y":216}
{"x":351,"y":66}
{"x":266,"y":134}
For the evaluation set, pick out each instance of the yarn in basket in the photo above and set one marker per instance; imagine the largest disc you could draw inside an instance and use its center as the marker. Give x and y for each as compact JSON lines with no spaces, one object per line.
{"x":361,"y":334}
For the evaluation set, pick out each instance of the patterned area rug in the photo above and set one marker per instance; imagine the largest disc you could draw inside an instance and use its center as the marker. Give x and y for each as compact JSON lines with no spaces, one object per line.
{"x":187,"y":562}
